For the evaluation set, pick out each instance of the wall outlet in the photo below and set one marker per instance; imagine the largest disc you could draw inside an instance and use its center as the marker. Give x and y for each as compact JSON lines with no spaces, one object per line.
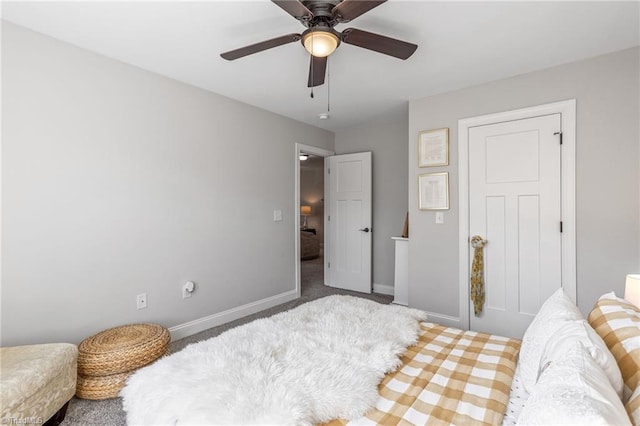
{"x":187,"y":289}
{"x":141,"y":301}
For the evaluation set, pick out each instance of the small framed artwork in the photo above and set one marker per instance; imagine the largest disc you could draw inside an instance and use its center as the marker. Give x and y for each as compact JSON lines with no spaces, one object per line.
{"x":433,"y":148}
{"x":433,"y":191}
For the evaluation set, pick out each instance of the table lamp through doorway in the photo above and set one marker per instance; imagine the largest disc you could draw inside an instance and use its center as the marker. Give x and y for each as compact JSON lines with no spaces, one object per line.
{"x":305,"y":211}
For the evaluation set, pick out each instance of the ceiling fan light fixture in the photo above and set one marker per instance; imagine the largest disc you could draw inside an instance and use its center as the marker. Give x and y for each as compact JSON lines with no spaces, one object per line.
{"x":320,"y":42}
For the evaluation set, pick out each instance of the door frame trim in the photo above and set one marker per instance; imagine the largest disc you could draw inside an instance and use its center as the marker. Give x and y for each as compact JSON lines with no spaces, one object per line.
{"x":320,"y":152}
{"x":567,"y":111}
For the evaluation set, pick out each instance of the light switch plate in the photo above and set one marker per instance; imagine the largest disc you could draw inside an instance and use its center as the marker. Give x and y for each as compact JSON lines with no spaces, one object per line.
{"x":439,"y":217}
{"x":277,"y":215}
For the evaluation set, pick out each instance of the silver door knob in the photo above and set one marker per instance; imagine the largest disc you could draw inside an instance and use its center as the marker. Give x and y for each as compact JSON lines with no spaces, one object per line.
{"x":364,"y":229}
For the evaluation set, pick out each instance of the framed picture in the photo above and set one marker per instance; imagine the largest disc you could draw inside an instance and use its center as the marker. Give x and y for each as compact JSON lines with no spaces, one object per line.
{"x":433,"y":148}
{"x":434,"y":191}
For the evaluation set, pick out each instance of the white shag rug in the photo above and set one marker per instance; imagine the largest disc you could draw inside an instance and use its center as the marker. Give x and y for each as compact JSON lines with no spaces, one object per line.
{"x":320,"y":361}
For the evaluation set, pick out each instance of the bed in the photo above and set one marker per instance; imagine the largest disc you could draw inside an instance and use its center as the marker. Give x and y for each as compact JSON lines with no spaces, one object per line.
{"x":566,"y":370}
{"x":450,"y":376}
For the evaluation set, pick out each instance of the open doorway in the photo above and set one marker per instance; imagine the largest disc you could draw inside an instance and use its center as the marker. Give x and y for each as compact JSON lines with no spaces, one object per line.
{"x":312,"y":226}
{"x":311,"y":223}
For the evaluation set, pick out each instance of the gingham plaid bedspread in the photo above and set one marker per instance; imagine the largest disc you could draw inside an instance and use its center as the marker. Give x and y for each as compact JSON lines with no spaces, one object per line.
{"x":450,"y":376}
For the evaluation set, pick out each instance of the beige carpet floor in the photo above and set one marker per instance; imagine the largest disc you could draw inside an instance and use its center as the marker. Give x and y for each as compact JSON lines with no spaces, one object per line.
{"x":109,"y":412}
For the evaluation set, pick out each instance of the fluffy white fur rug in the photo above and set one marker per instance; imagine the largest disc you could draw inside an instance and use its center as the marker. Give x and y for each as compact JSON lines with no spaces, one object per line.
{"x":320,"y":361}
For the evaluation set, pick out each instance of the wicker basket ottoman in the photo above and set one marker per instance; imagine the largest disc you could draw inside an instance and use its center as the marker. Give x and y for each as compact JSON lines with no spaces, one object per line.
{"x":106,"y":359}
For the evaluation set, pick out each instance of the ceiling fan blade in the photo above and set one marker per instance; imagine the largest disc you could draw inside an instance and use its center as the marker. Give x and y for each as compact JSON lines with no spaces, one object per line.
{"x":351,"y":9}
{"x":379,"y":43}
{"x":317,"y":71}
{"x":259,"y":47}
{"x":295,"y":9}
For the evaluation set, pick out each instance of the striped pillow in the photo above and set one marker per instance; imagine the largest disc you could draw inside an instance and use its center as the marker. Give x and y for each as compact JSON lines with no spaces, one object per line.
{"x":618,"y":323}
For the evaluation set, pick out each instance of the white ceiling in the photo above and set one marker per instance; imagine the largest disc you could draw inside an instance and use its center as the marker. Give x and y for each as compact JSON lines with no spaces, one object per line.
{"x":460,"y":44}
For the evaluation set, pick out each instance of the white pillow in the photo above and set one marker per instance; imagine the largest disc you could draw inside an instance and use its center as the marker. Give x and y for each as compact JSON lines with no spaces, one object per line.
{"x":517,"y":399}
{"x":573,"y":391}
{"x":556,"y":309}
{"x":580,"y":331}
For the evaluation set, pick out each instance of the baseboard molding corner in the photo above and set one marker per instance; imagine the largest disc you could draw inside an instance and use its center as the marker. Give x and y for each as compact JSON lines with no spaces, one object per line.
{"x":446,"y":320}
{"x":383,"y":289}
{"x":196,"y":326}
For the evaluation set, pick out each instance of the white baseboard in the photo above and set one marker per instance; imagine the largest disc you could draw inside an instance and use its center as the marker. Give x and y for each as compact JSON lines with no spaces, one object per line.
{"x":447,"y":320}
{"x":383,"y":289}
{"x":201,"y":324}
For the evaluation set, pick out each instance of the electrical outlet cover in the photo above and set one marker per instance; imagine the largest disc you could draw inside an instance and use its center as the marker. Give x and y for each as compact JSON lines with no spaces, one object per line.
{"x":141,"y":301}
{"x":187,"y":289}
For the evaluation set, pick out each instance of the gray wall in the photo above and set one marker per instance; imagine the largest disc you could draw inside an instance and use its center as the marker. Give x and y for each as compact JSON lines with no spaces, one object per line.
{"x":607,"y":180}
{"x":386,"y":138}
{"x":117,"y":181}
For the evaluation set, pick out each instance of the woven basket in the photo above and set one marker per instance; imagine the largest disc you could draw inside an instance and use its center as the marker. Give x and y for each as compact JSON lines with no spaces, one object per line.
{"x":122,"y":349}
{"x":101,"y":387}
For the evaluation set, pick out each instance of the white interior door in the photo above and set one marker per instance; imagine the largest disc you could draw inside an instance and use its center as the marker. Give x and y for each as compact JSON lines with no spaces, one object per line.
{"x":515,"y":204}
{"x":348,"y":261}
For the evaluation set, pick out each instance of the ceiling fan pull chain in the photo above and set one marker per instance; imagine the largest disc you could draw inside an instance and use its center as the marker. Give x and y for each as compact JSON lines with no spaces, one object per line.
{"x":312,"y":67}
{"x":328,"y":85}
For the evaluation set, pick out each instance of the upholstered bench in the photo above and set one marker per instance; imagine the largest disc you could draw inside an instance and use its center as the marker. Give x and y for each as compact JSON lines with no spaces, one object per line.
{"x":37,"y":382}
{"x":107,"y":359}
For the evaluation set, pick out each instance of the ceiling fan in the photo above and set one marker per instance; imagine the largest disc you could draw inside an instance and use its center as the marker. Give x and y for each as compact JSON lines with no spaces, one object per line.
{"x":321,"y":39}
